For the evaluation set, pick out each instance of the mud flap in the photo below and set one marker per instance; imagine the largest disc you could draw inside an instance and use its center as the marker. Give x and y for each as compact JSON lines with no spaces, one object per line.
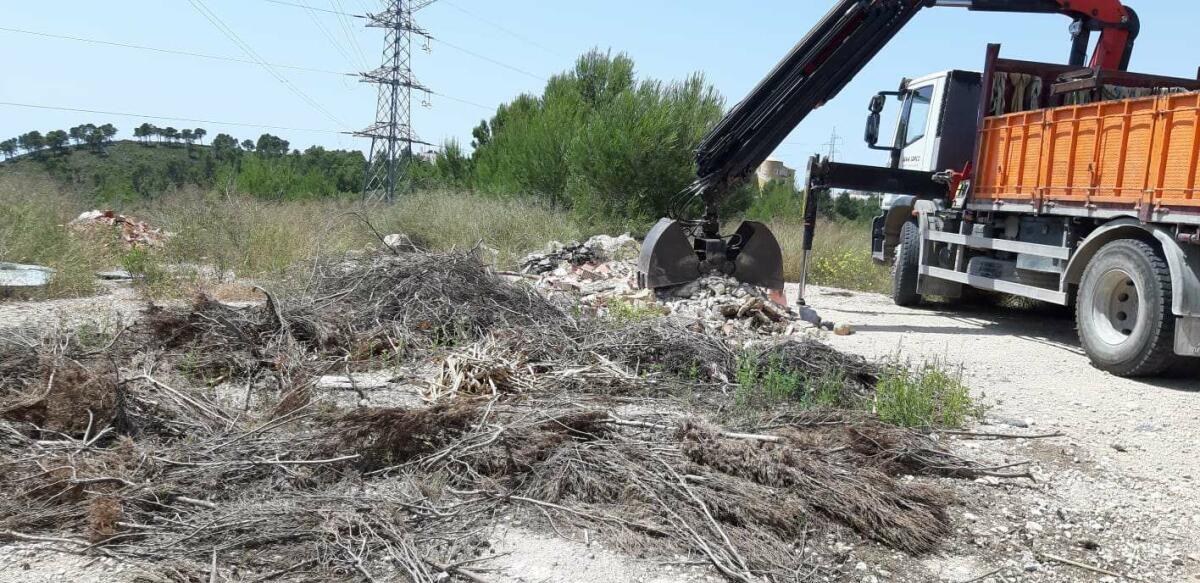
{"x":667,"y":257}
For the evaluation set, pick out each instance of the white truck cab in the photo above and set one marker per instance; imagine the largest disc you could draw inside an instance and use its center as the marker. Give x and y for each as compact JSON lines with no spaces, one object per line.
{"x":935,"y":129}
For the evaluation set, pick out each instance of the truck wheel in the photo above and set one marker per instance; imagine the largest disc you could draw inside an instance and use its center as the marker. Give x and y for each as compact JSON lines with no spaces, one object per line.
{"x":904,"y":272}
{"x":1123,"y":310}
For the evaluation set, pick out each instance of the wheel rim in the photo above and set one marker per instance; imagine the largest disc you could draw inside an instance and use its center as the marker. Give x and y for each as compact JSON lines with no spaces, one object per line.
{"x":1116,"y":306}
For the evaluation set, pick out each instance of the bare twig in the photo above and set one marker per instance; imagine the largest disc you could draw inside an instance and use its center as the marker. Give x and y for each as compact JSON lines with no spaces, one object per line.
{"x":455,"y":570}
{"x":972,"y":434}
{"x":1091,"y":568}
{"x":44,"y":539}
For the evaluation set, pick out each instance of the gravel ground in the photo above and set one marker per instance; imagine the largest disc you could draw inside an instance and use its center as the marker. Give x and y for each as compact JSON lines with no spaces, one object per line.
{"x":117,"y":304}
{"x":1118,"y":491}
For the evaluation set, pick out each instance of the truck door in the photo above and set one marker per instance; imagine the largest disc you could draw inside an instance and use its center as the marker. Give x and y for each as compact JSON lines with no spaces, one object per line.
{"x":917,"y":135}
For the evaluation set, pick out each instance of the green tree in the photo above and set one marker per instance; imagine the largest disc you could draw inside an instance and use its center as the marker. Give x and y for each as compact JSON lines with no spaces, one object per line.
{"x":8,"y":148}
{"x":108,"y":132}
{"x":57,"y":140}
{"x":199,"y":134}
{"x":144,"y":132}
{"x":599,"y":140}
{"x":248,"y":145}
{"x":31,"y":141}
{"x":187,"y":136}
{"x":482,"y":134}
{"x":269,"y":145}
{"x":82,"y":133}
{"x":77,"y":134}
{"x":225,"y":148}
{"x":94,"y":138}
{"x":452,"y":167}
{"x":170,"y":134}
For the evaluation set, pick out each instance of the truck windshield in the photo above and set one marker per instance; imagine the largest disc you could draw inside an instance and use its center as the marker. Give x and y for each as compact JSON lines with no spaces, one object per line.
{"x":918,"y":114}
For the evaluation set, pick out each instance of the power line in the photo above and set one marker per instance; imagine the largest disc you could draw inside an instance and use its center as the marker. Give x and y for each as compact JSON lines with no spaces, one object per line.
{"x":229,"y":33}
{"x":502,"y":28}
{"x":166,"y":118}
{"x":464,"y":101}
{"x":449,"y":44}
{"x":312,"y":14}
{"x":176,"y":52}
{"x":165,"y":51}
{"x":349,"y":32}
{"x":295,"y":5}
{"x":491,"y":60}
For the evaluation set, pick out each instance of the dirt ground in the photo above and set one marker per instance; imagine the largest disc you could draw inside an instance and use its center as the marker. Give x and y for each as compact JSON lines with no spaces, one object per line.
{"x":1118,"y":489}
{"x":1114,"y":499}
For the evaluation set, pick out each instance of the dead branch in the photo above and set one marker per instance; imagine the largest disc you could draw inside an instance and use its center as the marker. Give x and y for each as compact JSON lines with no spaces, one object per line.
{"x":1091,"y":568}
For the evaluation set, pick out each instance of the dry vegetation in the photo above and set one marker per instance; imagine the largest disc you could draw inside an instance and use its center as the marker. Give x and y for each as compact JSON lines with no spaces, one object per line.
{"x":217,"y":234}
{"x":202,"y":431}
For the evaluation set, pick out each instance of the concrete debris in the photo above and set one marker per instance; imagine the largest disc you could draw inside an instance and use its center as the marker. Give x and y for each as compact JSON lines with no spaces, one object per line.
{"x":134,"y":233}
{"x":16,"y":275}
{"x":601,"y":274}
{"x":598,"y":249}
{"x":399,"y":241}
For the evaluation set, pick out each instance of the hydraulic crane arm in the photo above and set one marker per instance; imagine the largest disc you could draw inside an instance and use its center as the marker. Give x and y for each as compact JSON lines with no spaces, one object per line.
{"x":839,"y":46}
{"x":1118,"y":25}
{"x":812,"y":73}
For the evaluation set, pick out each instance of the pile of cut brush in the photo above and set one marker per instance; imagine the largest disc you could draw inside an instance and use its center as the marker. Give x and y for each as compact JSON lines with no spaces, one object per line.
{"x":121,"y":445}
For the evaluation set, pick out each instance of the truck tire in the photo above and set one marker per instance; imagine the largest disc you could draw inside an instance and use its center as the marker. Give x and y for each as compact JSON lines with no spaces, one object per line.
{"x":1123,"y":310}
{"x":904,"y":271}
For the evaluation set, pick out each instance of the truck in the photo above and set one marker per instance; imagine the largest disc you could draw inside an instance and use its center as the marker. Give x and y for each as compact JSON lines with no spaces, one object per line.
{"x":1073,"y":184}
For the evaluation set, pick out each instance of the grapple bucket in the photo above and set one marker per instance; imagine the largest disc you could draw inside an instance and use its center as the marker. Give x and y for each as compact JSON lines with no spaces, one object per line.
{"x":667,"y":256}
{"x":670,"y":257}
{"x":758,"y":258}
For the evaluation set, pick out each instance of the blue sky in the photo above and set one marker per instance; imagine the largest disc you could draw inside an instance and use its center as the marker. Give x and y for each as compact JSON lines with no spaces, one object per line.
{"x":732,"y":43}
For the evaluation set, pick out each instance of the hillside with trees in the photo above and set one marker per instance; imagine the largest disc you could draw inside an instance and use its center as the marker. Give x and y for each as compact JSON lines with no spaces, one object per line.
{"x":86,"y":159}
{"x":598,"y":142}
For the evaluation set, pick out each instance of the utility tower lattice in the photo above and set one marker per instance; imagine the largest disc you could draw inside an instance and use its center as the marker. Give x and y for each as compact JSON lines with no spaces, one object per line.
{"x":392,"y":136}
{"x":834,"y":141}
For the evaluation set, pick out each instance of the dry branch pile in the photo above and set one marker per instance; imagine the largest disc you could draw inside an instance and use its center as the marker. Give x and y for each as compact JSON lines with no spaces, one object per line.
{"x":127,"y":448}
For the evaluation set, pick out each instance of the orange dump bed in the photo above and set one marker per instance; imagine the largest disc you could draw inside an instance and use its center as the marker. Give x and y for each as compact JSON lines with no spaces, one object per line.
{"x":1128,"y":153}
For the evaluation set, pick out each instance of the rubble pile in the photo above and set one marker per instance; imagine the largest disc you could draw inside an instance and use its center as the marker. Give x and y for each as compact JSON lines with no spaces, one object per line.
{"x":134,"y":233}
{"x":601,"y":274}
{"x":595,"y":251}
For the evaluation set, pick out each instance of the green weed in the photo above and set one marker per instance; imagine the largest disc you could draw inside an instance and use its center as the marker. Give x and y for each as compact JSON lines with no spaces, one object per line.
{"x":626,"y":312}
{"x":929,"y":395}
{"x":765,"y":384}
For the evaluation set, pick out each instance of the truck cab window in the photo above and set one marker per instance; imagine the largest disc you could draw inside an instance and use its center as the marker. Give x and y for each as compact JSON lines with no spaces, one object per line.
{"x":917,"y":114}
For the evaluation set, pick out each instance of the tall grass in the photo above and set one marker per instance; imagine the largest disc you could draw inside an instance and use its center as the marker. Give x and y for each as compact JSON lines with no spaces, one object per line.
{"x":221,"y":232}
{"x":33,"y":215}
{"x":218,"y":233}
{"x":252,"y":237}
{"x":841,"y":255}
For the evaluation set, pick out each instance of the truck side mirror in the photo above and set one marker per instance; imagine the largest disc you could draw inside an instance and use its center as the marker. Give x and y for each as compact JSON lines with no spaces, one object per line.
{"x":876,"y":107}
{"x":877,"y":103}
{"x":872,"y":133}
